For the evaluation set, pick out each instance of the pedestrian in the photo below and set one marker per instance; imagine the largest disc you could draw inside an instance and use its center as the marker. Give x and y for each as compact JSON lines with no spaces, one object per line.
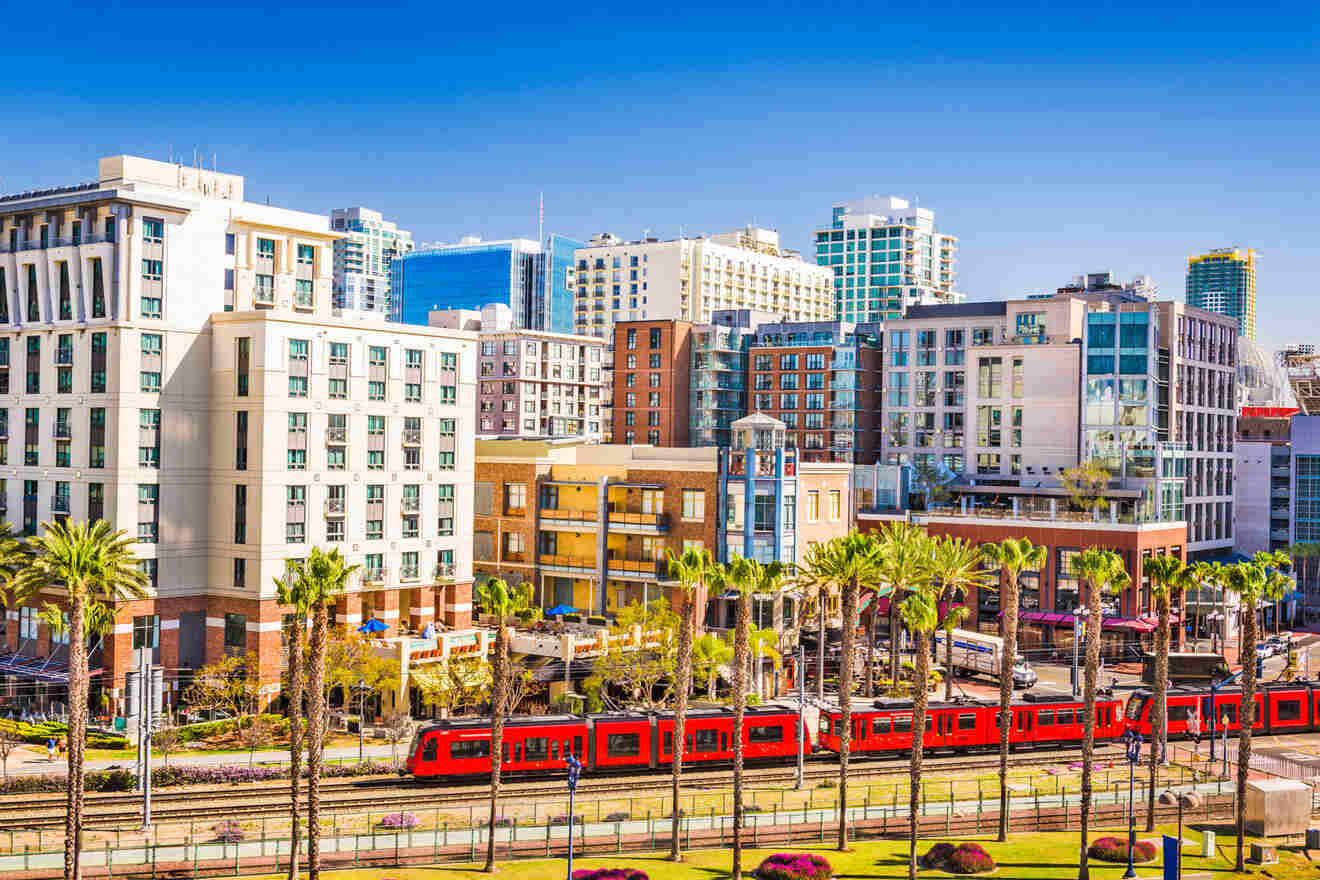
{"x":1194,"y":728}
{"x":50,"y":749}
{"x":63,"y":744}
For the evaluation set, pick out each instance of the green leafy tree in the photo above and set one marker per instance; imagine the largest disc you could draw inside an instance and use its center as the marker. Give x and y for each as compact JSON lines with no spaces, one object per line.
{"x":762,"y":643}
{"x":903,"y":558}
{"x":690,"y":569}
{"x":92,"y":564}
{"x":1211,"y":573}
{"x":499,"y":599}
{"x":1086,"y":485}
{"x":819,"y":588}
{"x":1013,"y":556}
{"x":1103,"y":571}
{"x":710,"y":654}
{"x":958,"y":567}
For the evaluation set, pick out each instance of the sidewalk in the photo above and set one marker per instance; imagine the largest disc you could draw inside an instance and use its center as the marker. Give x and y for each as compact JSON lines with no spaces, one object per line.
{"x":24,"y":761}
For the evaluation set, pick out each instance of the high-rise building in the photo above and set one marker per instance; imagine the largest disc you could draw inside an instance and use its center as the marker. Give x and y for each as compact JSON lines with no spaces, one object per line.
{"x":652,"y":381}
{"x":1224,"y":281}
{"x":534,"y":280}
{"x":689,"y":279}
{"x":185,"y":378}
{"x":364,"y":257}
{"x":533,"y":383}
{"x":886,"y":255}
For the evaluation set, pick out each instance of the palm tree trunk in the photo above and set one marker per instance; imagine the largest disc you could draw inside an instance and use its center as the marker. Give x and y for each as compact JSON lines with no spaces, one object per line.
{"x":870,"y":649}
{"x":845,"y":702}
{"x":948,"y":664}
{"x":740,"y":653}
{"x":919,"y":700}
{"x":1159,"y":705}
{"x":895,"y":627}
{"x":683,"y":686}
{"x":77,"y":736}
{"x":1008,"y":604}
{"x":497,"y":709}
{"x":1247,"y":715}
{"x":296,"y":687}
{"x":315,"y":737}
{"x":820,"y":651}
{"x":1088,"y":726}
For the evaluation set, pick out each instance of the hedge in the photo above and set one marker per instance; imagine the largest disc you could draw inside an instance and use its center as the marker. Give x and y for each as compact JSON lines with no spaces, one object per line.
{"x":795,"y":866}
{"x":189,"y":733}
{"x":967,"y":858}
{"x":120,"y":780}
{"x":40,"y":734}
{"x":1115,"y":849}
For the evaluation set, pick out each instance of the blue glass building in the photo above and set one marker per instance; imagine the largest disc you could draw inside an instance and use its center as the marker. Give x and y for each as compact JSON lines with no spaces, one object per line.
{"x":535,"y":282}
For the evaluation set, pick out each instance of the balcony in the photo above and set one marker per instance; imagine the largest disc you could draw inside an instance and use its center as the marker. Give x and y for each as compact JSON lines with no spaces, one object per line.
{"x":412,"y":436}
{"x":445,"y":571}
{"x":376,"y":575}
{"x":410,"y":504}
{"x":335,"y":507}
{"x":59,"y":504}
{"x":576,"y":564}
{"x":650,"y":523}
{"x":1280,"y":471}
{"x":64,"y":357}
{"x":263,"y":296}
{"x":1279,"y":535}
{"x":336,"y":435}
{"x":569,"y":520}
{"x":62,"y":430}
{"x":408,"y":573}
{"x":633,"y":569}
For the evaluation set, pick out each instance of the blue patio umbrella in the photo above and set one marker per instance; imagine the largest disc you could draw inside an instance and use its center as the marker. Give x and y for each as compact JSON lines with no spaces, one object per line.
{"x":373,"y":626}
{"x":560,"y":609}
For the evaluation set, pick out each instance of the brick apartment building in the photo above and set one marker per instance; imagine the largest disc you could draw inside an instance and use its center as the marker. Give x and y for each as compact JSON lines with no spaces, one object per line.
{"x":652,"y":382}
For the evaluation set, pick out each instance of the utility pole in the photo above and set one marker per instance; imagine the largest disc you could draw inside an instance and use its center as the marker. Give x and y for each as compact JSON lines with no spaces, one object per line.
{"x":144,"y":729}
{"x":802,"y":709}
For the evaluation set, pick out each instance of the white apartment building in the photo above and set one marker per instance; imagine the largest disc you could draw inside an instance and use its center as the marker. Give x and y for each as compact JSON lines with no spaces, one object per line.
{"x":973,"y":389}
{"x":689,"y":279}
{"x":175,"y":365}
{"x":884,"y":256}
{"x":364,"y":255}
{"x":533,"y":383}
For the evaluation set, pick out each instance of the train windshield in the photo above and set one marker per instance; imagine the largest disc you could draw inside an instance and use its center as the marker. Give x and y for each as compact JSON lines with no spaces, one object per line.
{"x":1136,"y":703}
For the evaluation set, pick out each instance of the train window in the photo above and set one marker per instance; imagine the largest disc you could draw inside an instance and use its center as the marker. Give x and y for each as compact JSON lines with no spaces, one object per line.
{"x":879,"y":726}
{"x":1063,"y":716}
{"x":554,"y":751}
{"x":506,"y":752}
{"x":669,"y":742}
{"x":1289,"y":710}
{"x":1179,"y":713}
{"x":902,"y":724}
{"x":536,"y":748}
{"x":724,"y":742}
{"x":1136,"y":703}
{"x":623,"y":745}
{"x":706,"y":740}
{"x":431,"y":749}
{"x":930,"y":722}
{"x":470,"y":748}
{"x":577,"y":746}
{"x":1227,"y":714}
{"x":967,"y":721}
{"x":1044,"y":717}
{"x":824,"y":725}
{"x":769,"y":733}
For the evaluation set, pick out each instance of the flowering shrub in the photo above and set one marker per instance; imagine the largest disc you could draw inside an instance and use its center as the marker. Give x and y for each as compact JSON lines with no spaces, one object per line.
{"x":562,"y":819}
{"x":938,"y":855}
{"x":117,"y":779}
{"x":228,"y":831}
{"x":1115,"y":849}
{"x":795,"y":866}
{"x":609,"y":874}
{"x":400,"y":821}
{"x":970,"y":858}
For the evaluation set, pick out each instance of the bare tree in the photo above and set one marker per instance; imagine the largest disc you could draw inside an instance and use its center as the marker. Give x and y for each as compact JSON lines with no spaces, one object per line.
{"x":167,"y":738}
{"x":398,"y":727}
{"x":8,"y":742}
{"x":256,"y":735}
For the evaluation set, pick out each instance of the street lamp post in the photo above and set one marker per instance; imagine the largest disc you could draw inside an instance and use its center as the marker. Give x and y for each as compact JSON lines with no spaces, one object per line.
{"x":1079,"y":615}
{"x":362,"y":715}
{"x":802,"y":710}
{"x":574,"y":770}
{"x":1132,"y":741}
{"x":1214,"y":693}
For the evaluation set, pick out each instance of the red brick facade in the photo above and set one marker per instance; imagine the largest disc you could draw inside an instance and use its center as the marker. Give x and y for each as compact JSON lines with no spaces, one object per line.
{"x":652,"y":364}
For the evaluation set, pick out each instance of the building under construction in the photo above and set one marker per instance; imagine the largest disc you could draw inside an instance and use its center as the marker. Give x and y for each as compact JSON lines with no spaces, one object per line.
{"x":1301,"y":365}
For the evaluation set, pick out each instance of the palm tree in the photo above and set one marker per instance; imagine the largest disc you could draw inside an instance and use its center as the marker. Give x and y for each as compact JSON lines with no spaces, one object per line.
{"x":912,"y":539}
{"x":289,"y":590}
{"x":690,"y":569}
{"x":497,"y":598}
{"x":709,"y":654}
{"x":920,"y":617}
{"x":958,"y":566}
{"x":1277,"y":588}
{"x":819,"y":585}
{"x":850,"y":561}
{"x":1013,"y":556}
{"x":1205,"y":573}
{"x":320,"y":579}
{"x":1167,"y":575}
{"x":92,"y":564}
{"x":1103,"y":571}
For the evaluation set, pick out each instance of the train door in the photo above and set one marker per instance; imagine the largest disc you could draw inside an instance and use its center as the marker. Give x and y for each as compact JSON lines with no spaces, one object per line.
{"x":1288,"y":711}
{"x":1024,"y":728}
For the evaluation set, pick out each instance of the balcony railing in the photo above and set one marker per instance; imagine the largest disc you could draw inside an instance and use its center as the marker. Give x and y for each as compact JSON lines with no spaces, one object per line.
{"x":412,"y":436}
{"x":444,"y":570}
{"x":410,"y":504}
{"x":581,"y":562}
{"x":59,"y":503}
{"x":62,"y":430}
{"x":264,"y":296}
{"x":335,"y":507}
{"x":64,"y":356}
{"x":336,"y":435}
{"x":584,"y":516}
{"x":376,"y":575}
{"x":658,"y":520}
{"x":408,"y":573}
{"x":648,"y":567}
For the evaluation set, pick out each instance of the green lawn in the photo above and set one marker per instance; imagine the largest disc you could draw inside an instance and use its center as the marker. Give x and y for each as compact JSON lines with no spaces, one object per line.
{"x":1025,"y":857}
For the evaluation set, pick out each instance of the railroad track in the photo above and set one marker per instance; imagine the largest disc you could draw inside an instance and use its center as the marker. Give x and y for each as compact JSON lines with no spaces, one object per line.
{"x":379,"y":794}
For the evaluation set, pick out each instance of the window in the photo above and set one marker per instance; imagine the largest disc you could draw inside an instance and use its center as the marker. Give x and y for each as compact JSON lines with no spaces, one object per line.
{"x":836,"y":505}
{"x":153,"y":231}
{"x":243,"y":364}
{"x":694,"y":504}
{"x":655,"y":337}
{"x":469,"y":749}
{"x":306,"y":254}
{"x":235,"y":633}
{"x":240,"y":440}
{"x":765,"y":733}
{"x":98,"y":359}
{"x":148,"y":498}
{"x":813,"y":506}
{"x":240,"y":514}
{"x":989,"y":377}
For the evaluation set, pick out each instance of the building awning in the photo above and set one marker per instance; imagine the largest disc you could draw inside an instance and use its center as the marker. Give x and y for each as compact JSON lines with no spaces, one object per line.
{"x":37,"y":668}
{"x":634,"y":486}
{"x":1134,"y":624}
{"x":1033,"y":491}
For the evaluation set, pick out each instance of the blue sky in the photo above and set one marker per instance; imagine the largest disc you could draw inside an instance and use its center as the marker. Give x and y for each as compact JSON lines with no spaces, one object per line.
{"x":1052,"y":140}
